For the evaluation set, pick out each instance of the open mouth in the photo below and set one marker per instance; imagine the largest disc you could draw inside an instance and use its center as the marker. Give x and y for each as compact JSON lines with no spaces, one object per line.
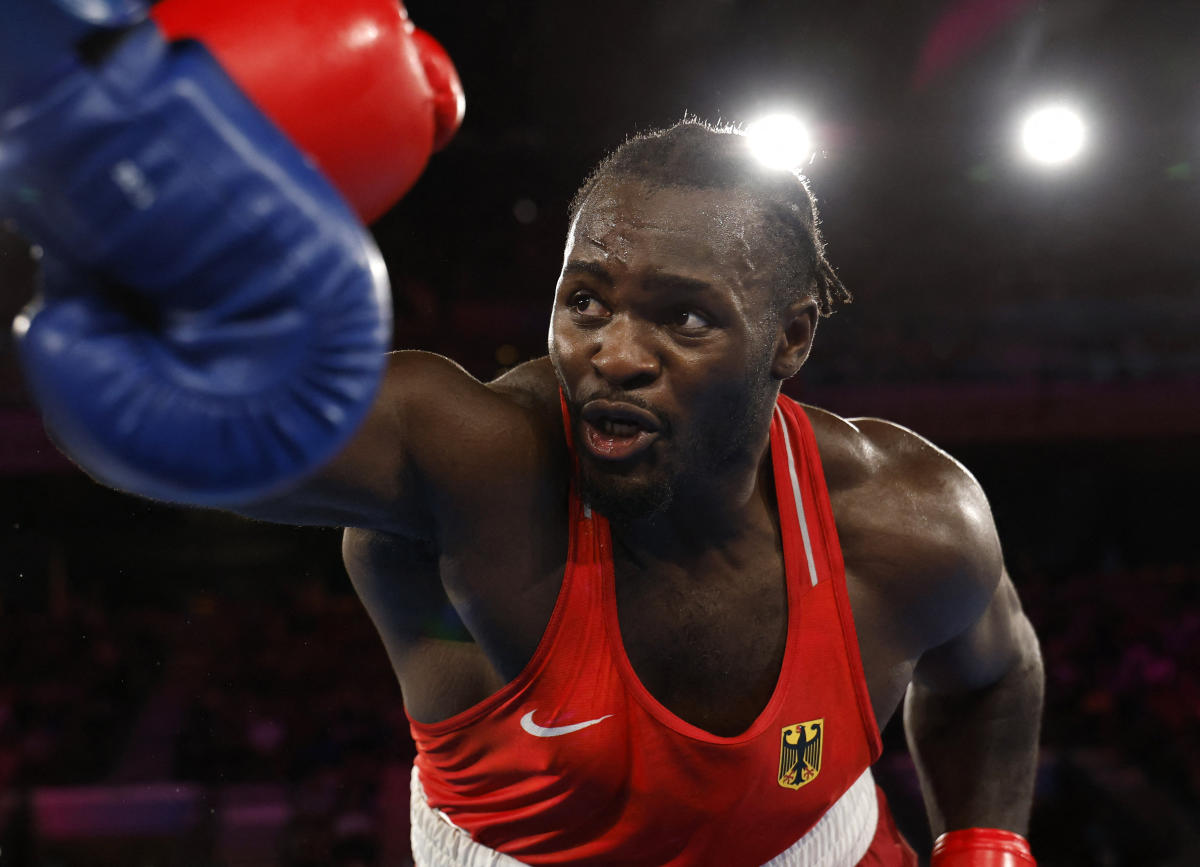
{"x":617,"y":431}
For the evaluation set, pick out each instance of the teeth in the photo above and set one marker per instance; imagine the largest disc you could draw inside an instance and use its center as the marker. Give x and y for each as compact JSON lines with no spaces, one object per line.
{"x":618,"y":428}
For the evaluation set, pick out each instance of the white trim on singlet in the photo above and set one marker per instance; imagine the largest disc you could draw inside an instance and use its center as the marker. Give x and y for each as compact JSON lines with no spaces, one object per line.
{"x":840,"y":839}
{"x":796,"y":498}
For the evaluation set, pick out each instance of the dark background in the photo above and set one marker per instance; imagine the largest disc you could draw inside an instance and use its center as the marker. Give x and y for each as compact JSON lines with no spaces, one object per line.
{"x":1039,"y":324}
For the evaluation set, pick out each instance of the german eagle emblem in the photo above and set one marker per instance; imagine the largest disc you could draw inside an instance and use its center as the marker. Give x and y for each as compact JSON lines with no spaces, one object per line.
{"x":800,"y":753}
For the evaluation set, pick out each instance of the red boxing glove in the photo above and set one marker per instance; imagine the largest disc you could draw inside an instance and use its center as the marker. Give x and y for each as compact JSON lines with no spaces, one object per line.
{"x":449,"y":102}
{"x":981,"y":847}
{"x":353,"y":83}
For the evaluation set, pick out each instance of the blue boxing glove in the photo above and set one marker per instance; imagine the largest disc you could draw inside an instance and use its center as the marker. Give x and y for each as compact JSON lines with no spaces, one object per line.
{"x":38,"y":36}
{"x":213,"y":317}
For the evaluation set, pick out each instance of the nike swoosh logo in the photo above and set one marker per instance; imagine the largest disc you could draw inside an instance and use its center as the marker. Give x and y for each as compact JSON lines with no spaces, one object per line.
{"x":538,"y":731}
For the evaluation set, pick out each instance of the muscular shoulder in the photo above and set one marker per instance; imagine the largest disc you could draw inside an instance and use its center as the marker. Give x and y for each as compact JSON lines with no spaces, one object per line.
{"x":534,"y":386}
{"x":470,"y":440}
{"x":914,"y":524}
{"x":522,"y":401}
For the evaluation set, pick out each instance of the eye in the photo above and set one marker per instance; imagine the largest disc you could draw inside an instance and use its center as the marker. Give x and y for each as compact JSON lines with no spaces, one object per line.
{"x":586,"y":306}
{"x":689,"y":320}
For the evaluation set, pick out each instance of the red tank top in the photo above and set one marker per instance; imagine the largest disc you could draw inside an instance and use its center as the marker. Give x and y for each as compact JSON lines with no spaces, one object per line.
{"x":575,"y":762}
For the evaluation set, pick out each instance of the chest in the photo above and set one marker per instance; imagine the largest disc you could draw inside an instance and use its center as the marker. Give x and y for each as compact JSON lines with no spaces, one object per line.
{"x":707,"y":647}
{"x":707,"y":641}
{"x":711,"y":652}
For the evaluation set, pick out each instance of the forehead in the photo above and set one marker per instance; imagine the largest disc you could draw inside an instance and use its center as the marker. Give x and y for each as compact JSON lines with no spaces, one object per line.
{"x":634,"y":225}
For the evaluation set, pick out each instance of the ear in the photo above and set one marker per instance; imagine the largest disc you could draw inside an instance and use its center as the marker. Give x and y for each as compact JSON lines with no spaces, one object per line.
{"x":793,"y":340}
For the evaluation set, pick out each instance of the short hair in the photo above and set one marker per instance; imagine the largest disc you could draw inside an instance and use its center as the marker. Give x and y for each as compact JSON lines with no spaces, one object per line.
{"x":697,"y":155}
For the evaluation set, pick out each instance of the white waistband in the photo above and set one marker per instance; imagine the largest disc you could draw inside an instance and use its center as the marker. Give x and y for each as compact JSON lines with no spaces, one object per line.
{"x":840,"y":839}
{"x":438,"y":842}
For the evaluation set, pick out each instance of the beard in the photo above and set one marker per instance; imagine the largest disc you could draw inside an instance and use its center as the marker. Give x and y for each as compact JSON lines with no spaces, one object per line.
{"x":612,"y":493}
{"x":722,"y":434}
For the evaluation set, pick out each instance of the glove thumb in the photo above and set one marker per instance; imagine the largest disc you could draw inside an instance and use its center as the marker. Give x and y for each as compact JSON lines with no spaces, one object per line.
{"x":449,"y":101}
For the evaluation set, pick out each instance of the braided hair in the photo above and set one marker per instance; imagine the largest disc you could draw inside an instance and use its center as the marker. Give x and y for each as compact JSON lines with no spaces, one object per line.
{"x":697,"y":155}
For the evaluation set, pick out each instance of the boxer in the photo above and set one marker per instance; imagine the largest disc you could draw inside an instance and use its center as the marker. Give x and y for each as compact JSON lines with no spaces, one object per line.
{"x":681,"y":605}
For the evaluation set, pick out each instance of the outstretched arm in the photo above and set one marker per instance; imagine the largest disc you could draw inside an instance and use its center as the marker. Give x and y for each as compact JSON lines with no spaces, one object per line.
{"x":434,"y":437}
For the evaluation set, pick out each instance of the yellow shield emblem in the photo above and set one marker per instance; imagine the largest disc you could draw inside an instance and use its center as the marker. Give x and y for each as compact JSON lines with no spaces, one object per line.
{"x":800,"y":753}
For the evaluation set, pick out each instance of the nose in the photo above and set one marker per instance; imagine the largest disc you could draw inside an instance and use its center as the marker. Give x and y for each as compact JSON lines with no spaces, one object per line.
{"x":625,"y":356}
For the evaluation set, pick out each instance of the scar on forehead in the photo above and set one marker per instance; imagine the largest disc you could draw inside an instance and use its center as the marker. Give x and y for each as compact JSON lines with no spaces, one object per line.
{"x":620,"y":254}
{"x":595,"y":242}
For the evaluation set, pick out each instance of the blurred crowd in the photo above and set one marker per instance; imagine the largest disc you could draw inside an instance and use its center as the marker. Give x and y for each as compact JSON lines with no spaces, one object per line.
{"x":285,"y":692}
{"x":73,"y":681}
{"x":1122,"y":654}
{"x":298,"y":691}
{"x":1120,"y":781}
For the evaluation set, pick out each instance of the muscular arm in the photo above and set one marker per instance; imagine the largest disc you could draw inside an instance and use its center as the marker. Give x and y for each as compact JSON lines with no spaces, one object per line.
{"x":972,"y":712}
{"x":917,"y":530}
{"x":972,"y":716}
{"x":434,"y":436}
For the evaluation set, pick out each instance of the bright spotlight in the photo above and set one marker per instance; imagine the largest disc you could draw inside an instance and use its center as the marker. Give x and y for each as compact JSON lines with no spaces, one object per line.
{"x":780,"y":141}
{"x":1053,"y":134}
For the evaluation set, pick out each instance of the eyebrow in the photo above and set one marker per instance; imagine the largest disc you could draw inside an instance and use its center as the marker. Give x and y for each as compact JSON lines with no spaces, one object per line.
{"x":677,"y":283}
{"x":659,"y":282}
{"x":595,"y":269}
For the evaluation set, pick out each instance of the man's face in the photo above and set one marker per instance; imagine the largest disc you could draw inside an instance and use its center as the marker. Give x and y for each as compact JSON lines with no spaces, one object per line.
{"x":662,"y":336}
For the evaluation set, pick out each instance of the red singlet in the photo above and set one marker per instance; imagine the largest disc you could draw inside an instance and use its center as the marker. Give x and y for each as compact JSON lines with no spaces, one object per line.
{"x":575,"y":762}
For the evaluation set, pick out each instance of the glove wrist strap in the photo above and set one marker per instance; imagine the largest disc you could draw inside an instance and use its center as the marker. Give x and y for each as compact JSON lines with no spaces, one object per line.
{"x":982,"y":847}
